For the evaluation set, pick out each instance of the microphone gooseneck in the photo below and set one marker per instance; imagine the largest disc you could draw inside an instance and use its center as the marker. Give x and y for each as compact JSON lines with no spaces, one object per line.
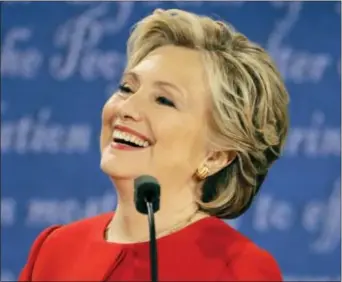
{"x":147,"y":201}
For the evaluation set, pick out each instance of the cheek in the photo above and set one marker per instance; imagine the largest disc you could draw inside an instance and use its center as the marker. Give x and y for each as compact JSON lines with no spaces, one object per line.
{"x":105,"y":137}
{"x":182,"y":144}
{"x":108,"y":113}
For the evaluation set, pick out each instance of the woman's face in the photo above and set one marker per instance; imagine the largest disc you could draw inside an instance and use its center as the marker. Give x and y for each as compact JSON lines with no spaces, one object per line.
{"x":161,"y":106}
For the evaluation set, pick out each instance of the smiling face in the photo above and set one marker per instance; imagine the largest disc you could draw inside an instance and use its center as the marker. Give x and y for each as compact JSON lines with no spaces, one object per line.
{"x":156,"y":123}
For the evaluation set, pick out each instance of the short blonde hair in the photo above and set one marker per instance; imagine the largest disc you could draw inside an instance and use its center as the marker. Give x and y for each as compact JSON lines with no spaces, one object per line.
{"x":250,"y":101}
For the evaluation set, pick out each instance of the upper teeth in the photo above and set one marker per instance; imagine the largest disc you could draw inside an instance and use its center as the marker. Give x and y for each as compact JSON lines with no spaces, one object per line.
{"x":130,"y":138}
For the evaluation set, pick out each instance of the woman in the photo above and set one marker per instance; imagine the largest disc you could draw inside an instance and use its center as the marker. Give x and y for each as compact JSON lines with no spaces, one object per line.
{"x":203,"y":110}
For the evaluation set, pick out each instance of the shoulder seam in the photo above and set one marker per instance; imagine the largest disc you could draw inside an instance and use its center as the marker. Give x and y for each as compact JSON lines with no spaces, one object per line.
{"x":49,"y":232}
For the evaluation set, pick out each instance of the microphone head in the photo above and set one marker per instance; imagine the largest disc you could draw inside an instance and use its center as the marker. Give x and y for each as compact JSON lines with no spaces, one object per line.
{"x":146,"y":189}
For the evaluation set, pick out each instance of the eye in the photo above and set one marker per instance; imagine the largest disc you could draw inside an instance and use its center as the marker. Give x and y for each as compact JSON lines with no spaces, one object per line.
{"x":124,"y":88}
{"x":165,"y":101}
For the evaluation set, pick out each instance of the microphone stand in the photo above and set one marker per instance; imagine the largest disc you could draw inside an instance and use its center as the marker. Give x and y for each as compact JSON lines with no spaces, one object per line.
{"x":153,"y":244}
{"x":147,"y":201}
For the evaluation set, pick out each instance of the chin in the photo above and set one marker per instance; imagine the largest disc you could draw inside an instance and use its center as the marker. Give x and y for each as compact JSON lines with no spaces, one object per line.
{"x":117,"y":169}
{"x":114,"y":170}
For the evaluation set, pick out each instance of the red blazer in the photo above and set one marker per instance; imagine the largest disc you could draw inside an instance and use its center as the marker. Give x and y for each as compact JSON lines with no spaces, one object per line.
{"x":208,"y":250}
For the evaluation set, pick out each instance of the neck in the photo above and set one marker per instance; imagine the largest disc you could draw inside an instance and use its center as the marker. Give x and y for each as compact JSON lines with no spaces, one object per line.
{"x":178,"y":209}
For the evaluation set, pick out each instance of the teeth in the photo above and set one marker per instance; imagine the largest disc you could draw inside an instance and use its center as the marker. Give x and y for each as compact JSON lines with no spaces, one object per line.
{"x":130,"y":138}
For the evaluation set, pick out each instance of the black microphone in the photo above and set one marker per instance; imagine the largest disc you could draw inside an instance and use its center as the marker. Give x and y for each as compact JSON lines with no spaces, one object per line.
{"x":147,"y":201}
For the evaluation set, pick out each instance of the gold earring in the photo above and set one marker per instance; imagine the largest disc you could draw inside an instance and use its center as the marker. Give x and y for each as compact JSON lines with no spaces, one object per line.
{"x":202,"y":173}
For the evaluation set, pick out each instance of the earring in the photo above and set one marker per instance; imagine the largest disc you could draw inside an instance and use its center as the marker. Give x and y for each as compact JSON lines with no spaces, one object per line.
{"x":202,"y":173}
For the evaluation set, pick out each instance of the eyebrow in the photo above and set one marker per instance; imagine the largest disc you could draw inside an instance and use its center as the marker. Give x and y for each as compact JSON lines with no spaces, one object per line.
{"x":159,"y":83}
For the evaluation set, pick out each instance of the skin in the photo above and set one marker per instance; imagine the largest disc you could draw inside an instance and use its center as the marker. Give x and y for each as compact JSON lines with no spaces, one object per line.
{"x":165,"y":97}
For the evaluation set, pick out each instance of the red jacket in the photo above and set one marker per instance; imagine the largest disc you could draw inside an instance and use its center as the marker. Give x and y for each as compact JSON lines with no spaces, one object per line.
{"x":208,"y":250}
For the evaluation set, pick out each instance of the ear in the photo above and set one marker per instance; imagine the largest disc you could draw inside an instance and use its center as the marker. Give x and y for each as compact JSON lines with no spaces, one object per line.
{"x":218,"y":160}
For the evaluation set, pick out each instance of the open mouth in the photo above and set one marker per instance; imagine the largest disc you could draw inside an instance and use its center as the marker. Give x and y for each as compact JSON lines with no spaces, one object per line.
{"x":128,"y":139}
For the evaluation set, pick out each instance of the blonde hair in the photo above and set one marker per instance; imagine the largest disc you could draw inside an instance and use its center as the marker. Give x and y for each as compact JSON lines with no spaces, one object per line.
{"x":250,"y":101}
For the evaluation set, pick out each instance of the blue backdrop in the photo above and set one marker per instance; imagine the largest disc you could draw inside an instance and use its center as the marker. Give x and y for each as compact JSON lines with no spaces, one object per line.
{"x":61,"y":61}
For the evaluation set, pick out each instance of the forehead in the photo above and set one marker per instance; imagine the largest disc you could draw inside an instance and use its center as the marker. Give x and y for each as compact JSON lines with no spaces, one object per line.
{"x":178,"y":65}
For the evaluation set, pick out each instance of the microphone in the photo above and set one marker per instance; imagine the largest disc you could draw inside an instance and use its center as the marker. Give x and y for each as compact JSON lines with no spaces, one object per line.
{"x":147,"y":201}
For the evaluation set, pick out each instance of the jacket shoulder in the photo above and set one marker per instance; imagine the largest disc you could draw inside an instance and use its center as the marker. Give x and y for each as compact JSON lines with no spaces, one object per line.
{"x":81,"y":229}
{"x":26,"y":272}
{"x":55,"y":240}
{"x":245,"y":260}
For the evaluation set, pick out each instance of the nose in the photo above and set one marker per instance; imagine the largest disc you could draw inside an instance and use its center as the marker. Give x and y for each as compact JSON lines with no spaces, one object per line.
{"x":130,"y":109}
